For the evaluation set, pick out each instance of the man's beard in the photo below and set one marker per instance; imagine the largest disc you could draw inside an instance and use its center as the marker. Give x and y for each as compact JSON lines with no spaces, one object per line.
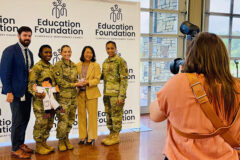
{"x":25,"y":43}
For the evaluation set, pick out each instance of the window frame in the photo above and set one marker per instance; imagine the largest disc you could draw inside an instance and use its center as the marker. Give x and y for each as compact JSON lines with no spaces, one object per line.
{"x":231,"y":15}
{"x":230,"y":36}
{"x":182,"y":14}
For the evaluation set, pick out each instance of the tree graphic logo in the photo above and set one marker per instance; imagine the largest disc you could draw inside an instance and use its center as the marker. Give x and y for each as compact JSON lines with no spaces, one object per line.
{"x":116,"y":13}
{"x":56,"y":55}
{"x":59,"y":9}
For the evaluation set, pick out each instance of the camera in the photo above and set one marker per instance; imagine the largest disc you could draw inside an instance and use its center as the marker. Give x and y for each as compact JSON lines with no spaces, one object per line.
{"x":191,"y":31}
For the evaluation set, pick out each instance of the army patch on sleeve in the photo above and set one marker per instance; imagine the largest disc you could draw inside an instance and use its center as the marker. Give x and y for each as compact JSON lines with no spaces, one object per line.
{"x":57,"y":73}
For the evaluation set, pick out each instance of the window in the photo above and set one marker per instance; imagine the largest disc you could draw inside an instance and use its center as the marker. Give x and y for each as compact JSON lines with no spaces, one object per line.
{"x":225,"y":14}
{"x":161,"y":42}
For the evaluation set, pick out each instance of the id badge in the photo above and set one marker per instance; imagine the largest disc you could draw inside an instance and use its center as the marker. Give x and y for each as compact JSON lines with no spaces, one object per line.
{"x":23,"y":98}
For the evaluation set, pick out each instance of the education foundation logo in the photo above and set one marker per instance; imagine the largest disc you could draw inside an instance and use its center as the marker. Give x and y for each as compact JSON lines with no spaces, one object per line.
{"x":59,"y":9}
{"x":59,"y":26}
{"x":115,"y":27}
{"x":5,"y":126}
{"x":116,"y":13}
{"x":7,"y":26}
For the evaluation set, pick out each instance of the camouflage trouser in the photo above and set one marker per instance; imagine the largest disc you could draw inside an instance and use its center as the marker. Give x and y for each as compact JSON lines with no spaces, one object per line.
{"x":42,"y":125}
{"x":66,"y":120}
{"x":114,"y":113}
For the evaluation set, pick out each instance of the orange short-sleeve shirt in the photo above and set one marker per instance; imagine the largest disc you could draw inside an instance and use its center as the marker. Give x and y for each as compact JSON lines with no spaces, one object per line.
{"x":177,"y":102}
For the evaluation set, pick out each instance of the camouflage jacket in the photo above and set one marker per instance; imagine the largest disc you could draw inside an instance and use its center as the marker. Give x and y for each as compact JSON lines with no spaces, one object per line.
{"x":115,"y":76}
{"x":66,"y":76}
{"x":39,"y":72}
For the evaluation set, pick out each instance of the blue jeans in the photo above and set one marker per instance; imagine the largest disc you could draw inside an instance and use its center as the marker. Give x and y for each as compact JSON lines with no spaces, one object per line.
{"x":20,"y":117}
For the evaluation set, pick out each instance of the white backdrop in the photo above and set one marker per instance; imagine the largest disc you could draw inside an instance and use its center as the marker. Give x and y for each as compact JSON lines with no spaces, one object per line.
{"x":77,"y":23}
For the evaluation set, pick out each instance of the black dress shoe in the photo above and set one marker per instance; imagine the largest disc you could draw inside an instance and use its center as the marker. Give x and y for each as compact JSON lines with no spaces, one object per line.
{"x":82,"y":142}
{"x":91,"y":142}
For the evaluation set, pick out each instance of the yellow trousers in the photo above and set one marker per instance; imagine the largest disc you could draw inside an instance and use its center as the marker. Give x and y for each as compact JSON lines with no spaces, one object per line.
{"x":87,"y":125}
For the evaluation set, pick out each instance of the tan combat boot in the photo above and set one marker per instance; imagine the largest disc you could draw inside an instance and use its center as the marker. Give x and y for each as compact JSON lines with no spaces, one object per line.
{"x":48,"y":147}
{"x":68,"y":144}
{"x":40,"y":149}
{"x":107,"y":138}
{"x":61,"y":145}
{"x":113,"y":140}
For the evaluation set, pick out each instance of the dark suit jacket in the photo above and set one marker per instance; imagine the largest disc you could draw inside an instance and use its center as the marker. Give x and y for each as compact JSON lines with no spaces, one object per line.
{"x":14,"y":74}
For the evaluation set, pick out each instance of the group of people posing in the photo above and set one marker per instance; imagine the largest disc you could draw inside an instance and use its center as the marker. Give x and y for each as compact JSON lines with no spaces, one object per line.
{"x":58,"y":91}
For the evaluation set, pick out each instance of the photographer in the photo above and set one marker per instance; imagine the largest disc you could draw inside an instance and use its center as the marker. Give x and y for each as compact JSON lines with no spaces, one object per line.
{"x":201,"y":127}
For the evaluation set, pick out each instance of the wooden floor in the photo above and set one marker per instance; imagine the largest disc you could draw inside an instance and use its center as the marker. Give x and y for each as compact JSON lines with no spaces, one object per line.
{"x":146,"y":145}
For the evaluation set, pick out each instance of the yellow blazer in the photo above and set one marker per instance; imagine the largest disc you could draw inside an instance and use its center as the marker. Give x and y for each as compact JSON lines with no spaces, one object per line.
{"x":93,"y":76}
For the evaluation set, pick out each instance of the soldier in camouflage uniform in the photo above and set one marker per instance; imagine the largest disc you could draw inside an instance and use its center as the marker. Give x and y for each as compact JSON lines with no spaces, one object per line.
{"x":115,"y":76}
{"x":65,"y":73}
{"x":42,"y":126}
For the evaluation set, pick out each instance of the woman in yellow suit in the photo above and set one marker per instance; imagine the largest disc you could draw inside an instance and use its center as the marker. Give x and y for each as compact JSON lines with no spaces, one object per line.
{"x":89,"y":73}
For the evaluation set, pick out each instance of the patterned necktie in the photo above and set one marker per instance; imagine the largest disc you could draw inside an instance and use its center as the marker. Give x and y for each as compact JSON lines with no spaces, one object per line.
{"x":26,"y":56}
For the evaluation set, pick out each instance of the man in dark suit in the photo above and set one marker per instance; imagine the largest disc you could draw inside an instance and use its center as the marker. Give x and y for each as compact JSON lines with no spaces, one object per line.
{"x":16,"y":63}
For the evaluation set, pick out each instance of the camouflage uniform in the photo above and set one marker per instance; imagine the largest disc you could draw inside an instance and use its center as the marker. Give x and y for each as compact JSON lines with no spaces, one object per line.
{"x":66,"y":77}
{"x":42,"y":125}
{"x":115,"y":76}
